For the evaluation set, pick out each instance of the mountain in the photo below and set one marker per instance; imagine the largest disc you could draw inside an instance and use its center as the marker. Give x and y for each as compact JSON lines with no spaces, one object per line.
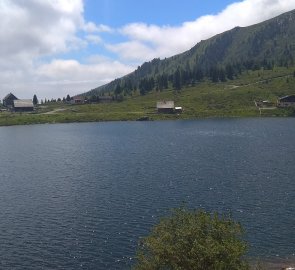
{"x":220,"y":58}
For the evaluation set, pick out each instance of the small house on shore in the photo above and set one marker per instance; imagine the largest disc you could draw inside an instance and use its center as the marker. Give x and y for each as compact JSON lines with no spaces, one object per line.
{"x":286,"y":101}
{"x":263,"y":103}
{"x":78,"y":100}
{"x":165,"y":106}
{"x":8,"y":100}
{"x":23,"y":105}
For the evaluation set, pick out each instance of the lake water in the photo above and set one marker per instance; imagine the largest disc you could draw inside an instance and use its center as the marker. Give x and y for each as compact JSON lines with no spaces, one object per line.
{"x":79,"y":196}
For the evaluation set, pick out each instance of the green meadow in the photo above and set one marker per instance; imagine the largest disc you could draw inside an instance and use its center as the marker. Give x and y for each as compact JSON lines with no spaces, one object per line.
{"x":233,"y":98}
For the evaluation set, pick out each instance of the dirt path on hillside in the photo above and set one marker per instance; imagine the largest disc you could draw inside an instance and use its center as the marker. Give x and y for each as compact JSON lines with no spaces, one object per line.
{"x":55,"y":111}
{"x":232,"y":86}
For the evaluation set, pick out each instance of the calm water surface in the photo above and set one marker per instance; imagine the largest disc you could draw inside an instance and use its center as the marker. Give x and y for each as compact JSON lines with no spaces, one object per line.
{"x":79,"y":196}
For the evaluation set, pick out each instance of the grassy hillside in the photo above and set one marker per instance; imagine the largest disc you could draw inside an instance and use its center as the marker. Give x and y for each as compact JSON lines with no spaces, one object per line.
{"x":224,"y":56}
{"x":227,"y":99}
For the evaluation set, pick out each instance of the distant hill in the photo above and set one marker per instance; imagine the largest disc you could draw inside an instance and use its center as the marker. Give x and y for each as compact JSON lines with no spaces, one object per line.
{"x":220,"y":58}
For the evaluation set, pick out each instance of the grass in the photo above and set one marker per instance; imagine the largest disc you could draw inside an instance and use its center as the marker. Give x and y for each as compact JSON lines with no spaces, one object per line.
{"x":229,"y":99}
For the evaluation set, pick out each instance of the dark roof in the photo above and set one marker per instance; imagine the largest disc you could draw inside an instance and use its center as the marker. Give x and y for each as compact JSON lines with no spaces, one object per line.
{"x":290,"y":98}
{"x":10,"y":96}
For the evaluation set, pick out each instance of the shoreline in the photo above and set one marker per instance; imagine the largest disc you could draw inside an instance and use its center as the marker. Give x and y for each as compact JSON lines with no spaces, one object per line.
{"x":35,"y":120}
{"x":275,"y":263}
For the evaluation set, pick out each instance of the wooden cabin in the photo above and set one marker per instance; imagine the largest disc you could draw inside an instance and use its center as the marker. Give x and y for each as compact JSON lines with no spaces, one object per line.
{"x":165,"y":106}
{"x":8,"y":100}
{"x":286,"y":101}
{"x":23,"y":105}
{"x":78,"y":100}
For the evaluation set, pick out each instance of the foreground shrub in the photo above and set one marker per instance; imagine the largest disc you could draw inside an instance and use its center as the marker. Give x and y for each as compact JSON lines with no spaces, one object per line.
{"x":193,"y":240}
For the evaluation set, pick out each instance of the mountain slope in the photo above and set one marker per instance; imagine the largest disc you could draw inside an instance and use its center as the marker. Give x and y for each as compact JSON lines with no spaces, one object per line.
{"x":224,"y":56}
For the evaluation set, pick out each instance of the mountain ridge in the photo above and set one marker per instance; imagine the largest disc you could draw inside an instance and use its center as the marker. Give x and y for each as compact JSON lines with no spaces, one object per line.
{"x":221,"y":57}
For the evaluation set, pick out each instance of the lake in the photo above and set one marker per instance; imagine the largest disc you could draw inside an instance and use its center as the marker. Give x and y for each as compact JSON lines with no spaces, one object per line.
{"x":79,"y":196}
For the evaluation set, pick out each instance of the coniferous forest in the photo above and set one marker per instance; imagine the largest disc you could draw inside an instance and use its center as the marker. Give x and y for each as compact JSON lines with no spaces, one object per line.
{"x":221,"y":58}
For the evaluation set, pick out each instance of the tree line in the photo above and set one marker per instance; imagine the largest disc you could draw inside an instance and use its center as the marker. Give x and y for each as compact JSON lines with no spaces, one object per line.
{"x":186,"y":75}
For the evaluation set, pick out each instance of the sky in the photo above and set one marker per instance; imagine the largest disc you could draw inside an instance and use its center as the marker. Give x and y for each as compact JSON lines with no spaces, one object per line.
{"x":52,"y":48}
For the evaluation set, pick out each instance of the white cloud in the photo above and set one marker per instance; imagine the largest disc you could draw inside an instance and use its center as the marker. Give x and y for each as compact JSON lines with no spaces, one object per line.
{"x":149,"y":41}
{"x":74,"y":77}
{"x":91,"y":27}
{"x":35,"y":33}
{"x":38,"y":28}
{"x":61,"y":77}
{"x":63,"y":70}
{"x":94,"y":39}
{"x":132,"y":50}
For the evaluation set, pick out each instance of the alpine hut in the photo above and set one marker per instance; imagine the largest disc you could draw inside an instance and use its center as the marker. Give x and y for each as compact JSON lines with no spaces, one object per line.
{"x":165,"y":106}
{"x":23,"y":105}
{"x":8,"y":100}
{"x":286,"y":101}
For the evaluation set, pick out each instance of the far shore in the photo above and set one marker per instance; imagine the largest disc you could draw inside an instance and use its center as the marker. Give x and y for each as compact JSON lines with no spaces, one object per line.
{"x":23,"y":120}
{"x":252,"y":94}
{"x":49,"y":118}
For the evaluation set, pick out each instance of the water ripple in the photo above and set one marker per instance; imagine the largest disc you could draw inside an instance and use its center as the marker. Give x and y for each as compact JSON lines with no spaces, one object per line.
{"x":81,"y":196}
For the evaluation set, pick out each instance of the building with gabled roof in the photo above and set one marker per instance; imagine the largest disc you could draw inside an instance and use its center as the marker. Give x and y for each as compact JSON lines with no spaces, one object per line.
{"x":286,"y":101}
{"x":23,"y":105}
{"x":8,"y":100}
{"x":77,"y":100}
{"x":165,"y":106}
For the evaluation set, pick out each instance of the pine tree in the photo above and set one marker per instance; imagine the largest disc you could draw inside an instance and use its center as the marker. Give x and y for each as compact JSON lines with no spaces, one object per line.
{"x":118,"y":90}
{"x":213,"y":73}
{"x":35,"y":100}
{"x":177,"y":80}
{"x":222,"y":75}
{"x":229,"y":72}
{"x":159,"y":83}
{"x":165,"y":81}
{"x":198,"y":74}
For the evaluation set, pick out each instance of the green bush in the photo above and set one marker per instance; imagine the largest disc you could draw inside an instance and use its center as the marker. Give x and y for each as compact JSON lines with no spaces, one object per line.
{"x":193,"y":240}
